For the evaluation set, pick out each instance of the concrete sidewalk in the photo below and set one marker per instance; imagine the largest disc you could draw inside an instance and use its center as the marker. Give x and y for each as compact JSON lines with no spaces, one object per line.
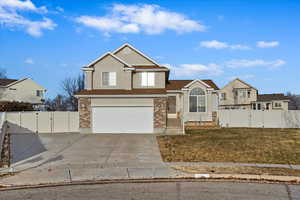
{"x":65,"y":173}
{"x":230,"y":164}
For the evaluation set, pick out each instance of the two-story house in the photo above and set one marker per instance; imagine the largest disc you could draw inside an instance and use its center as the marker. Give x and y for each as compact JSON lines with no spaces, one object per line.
{"x":271,"y":102}
{"x":128,"y":92}
{"x":23,"y":90}
{"x":238,"y":94}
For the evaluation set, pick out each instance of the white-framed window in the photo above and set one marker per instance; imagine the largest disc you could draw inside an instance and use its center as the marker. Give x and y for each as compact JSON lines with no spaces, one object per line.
{"x":39,"y":93}
{"x":109,"y":79}
{"x":277,"y":105}
{"x":254,"y":106}
{"x":148,"y":79}
{"x":249,"y":93}
{"x":197,"y":100}
{"x":223,"y":96}
{"x":258,"y":106}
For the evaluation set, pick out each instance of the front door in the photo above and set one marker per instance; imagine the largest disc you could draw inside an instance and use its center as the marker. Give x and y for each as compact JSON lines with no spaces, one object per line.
{"x":172,"y":107}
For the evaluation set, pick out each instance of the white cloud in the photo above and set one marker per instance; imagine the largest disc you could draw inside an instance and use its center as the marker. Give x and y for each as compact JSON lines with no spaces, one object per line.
{"x":59,"y":9}
{"x":264,"y":44}
{"x":29,"y":61}
{"x":240,"y":47}
{"x":192,"y":70}
{"x":254,"y":63}
{"x":214,"y":44}
{"x":150,"y":19}
{"x":10,"y":16}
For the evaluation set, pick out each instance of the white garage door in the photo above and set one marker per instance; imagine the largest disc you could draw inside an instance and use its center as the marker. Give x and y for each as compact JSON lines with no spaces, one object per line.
{"x":122,"y":119}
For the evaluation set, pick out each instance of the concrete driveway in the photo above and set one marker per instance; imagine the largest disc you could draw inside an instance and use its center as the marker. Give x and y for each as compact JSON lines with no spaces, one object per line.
{"x":71,"y":150}
{"x":46,"y":158}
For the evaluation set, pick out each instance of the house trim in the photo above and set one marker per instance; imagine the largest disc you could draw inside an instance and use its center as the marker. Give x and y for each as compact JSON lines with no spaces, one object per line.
{"x":194,"y":81}
{"x":102,"y":56}
{"x":206,"y":103}
{"x":124,"y":96}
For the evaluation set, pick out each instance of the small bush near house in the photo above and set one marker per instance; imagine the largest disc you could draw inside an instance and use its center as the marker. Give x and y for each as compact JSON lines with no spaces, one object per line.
{"x":15,"y":106}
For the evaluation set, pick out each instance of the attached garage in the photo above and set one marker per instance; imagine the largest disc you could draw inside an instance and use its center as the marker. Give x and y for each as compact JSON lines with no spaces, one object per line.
{"x":131,"y":115}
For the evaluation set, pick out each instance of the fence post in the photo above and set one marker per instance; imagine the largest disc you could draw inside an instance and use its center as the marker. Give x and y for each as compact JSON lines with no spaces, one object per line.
{"x":37,"y":122}
{"x":52,"y":122}
{"x":69,"y":128}
{"x":20,"y":119}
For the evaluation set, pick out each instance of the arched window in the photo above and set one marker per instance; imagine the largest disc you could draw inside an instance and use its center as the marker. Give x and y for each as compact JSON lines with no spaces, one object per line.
{"x":197,"y":100}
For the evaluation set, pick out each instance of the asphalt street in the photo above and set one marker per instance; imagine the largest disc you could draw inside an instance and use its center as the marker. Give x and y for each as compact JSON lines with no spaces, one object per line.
{"x":160,"y":190}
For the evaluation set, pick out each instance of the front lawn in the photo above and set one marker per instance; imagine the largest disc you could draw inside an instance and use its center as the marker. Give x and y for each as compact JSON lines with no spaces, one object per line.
{"x":243,"y":145}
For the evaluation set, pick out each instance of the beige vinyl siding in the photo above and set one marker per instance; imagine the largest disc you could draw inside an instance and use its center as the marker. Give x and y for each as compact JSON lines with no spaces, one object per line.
{"x":198,"y":116}
{"x":229,"y":91}
{"x":121,"y":102}
{"x":23,"y":91}
{"x":110,"y":64}
{"x":132,"y":57}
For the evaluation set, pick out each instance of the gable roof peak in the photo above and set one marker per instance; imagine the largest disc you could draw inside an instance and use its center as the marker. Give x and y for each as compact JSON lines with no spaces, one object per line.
{"x":197,"y":80}
{"x":136,"y":50}
{"x":237,"y":79}
{"x":105,"y":54}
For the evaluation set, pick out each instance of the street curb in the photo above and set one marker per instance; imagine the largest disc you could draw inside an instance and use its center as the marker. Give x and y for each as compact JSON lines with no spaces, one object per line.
{"x":293,"y":180}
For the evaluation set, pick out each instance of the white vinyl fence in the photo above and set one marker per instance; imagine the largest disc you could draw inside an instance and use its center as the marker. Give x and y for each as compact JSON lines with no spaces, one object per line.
{"x":259,"y":119}
{"x":42,"y":122}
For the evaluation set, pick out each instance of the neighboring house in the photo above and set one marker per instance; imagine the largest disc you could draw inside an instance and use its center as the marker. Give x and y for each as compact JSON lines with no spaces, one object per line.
{"x":128,"y":92}
{"x":271,"y":102}
{"x":237,"y":94}
{"x":294,"y":103}
{"x":23,"y":90}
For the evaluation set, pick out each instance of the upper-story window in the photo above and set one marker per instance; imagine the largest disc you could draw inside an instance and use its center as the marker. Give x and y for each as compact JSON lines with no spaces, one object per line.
{"x":249,"y":93}
{"x":223,"y":96}
{"x":39,"y":93}
{"x":277,"y":104}
{"x":109,"y":79}
{"x":148,"y":79}
{"x":197,"y":100}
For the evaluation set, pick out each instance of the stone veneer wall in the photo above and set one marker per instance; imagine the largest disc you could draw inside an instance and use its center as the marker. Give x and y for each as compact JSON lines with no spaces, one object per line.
{"x":160,"y":113}
{"x":84,"y":112}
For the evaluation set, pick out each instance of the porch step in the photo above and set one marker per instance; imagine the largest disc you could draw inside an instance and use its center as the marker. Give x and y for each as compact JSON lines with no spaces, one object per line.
{"x":201,"y":125}
{"x":173,"y":131}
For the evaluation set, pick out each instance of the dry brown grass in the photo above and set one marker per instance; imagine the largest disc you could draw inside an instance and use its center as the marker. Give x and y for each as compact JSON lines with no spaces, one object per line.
{"x":243,"y":145}
{"x":276,"y":171}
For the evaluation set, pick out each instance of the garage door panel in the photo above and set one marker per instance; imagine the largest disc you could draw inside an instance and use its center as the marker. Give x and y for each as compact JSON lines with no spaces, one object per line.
{"x":123,"y":119}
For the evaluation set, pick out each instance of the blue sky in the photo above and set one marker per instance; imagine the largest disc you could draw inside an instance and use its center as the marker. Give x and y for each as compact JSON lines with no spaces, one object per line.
{"x":257,"y":41}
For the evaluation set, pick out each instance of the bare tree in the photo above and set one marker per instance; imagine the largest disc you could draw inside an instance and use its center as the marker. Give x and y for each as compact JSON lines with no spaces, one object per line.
{"x":59,"y":103}
{"x":294,"y":103}
{"x":70,"y":86}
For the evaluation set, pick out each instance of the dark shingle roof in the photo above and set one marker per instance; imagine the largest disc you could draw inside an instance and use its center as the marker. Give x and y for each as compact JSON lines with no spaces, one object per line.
{"x":179,"y":84}
{"x":272,"y":97}
{"x":5,"y":81}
